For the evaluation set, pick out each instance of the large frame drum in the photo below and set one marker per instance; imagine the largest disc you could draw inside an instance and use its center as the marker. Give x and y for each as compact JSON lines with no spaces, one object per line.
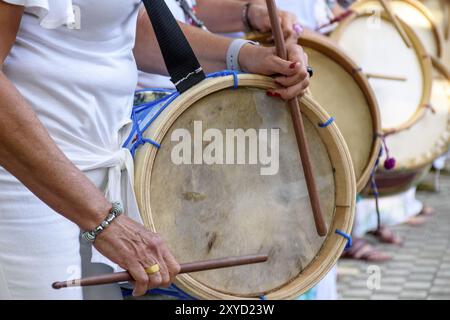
{"x":375,"y":44}
{"x":416,"y":148}
{"x":210,"y":211}
{"x":343,"y":91}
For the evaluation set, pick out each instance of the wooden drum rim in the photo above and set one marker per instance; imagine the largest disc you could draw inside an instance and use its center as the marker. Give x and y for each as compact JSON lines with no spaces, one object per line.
{"x":423,"y":58}
{"x":329,"y":49}
{"x":344,"y":179}
{"x":428,"y":15}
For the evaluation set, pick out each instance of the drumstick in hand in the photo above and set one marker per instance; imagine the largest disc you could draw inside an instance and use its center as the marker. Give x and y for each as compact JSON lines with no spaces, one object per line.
{"x":298,"y":126}
{"x":184,"y":268}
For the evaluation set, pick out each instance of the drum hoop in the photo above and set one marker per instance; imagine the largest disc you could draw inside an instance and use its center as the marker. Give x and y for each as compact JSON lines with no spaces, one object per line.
{"x":332,"y":51}
{"x":439,"y":38}
{"x":423,"y":58}
{"x":441,"y":145}
{"x":344,"y":178}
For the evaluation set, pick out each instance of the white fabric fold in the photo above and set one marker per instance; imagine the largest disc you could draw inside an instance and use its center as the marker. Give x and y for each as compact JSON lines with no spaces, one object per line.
{"x":120,"y":187}
{"x":51,"y":13}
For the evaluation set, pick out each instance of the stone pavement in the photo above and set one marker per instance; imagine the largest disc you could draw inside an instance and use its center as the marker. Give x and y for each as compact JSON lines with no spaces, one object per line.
{"x":420,"y":269}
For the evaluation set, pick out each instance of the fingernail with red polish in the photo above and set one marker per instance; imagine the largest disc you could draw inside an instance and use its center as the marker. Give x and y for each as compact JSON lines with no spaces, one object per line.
{"x":292,"y":66}
{"x":273,"y":94}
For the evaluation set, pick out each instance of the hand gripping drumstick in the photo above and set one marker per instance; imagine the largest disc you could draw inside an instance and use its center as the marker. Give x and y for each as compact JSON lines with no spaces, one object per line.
{"x":185,"y":268}
{"x":298,"y":126}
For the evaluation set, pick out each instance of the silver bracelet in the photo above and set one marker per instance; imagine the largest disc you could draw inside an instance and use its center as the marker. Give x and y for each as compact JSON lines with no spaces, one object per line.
{"x":116,"y":210}
{"x":233,"y":53}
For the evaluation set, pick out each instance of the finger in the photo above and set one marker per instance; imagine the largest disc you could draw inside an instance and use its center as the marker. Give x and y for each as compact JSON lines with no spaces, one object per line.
{"x":172,"y":265}
{"x":291,"y":81}
{"x":292,"y":91}
{"x":155,"y":280}
{"x":276,"y":65}
{"x":164,"y":272}
{"x":137,"y":272}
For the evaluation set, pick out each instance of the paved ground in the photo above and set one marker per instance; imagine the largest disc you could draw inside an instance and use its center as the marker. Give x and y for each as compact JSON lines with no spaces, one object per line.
{"x":420,"y":269}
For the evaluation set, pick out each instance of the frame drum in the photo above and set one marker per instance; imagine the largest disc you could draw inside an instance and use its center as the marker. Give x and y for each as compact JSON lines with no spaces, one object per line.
{"x":343,"y":91}
{"x":440,"y":10}
{"x":365,"y":37}
{"x":417,"y":16}
{"x":206,"y":211}
{"x":416,"y":148}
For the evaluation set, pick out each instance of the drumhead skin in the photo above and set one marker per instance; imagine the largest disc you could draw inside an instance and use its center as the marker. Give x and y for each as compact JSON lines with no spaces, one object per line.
{"x":418,"y":17}
{"x":440,"y":10}
{"x":365,"y":37}
{"x":430,"y":136}
{"x":213,"y":211}
{"x":343,"y":91}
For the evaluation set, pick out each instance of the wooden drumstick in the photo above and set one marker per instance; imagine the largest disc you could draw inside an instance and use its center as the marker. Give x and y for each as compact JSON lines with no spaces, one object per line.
{"x":185,"y":268}
{"x":298,"y":126}
{"x":385,"y":77}
{"x":387,"y":7}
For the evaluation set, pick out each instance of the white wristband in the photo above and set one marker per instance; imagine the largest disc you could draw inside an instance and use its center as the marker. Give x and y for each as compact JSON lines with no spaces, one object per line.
{"x":233,"y":53}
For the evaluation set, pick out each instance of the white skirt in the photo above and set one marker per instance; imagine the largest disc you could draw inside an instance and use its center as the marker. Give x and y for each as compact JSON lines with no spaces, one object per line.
{"x":39,"y":246}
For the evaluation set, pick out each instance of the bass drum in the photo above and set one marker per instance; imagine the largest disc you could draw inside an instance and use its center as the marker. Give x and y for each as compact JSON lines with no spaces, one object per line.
{"x":374,"y":43}
{"x":206,"y":211}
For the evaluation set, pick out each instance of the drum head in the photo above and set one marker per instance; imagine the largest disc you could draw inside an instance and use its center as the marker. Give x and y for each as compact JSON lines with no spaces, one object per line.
{"x":365,"y":38}
{"x":205,"y":211}
{"x":417,"y":16}
{"x":429,"y":137}
{"x":346,"y":95}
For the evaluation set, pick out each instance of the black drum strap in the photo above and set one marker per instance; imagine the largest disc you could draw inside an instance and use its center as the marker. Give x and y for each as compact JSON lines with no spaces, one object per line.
{"x":182,"y":64}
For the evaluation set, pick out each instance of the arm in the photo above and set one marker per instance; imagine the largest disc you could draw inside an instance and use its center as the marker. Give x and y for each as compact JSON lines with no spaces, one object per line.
{"x":226,"y":16}
{"x":211,"y":51}
{"x":56,"y":181}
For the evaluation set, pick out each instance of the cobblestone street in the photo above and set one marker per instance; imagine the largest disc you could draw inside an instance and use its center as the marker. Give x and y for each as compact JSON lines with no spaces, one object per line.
{"x":420,"y":269}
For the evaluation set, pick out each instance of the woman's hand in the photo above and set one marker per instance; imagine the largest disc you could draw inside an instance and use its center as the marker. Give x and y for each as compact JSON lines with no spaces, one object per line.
{"x":259,"y":20}
{"x":291,"y":75}
{"x":135,"y":248}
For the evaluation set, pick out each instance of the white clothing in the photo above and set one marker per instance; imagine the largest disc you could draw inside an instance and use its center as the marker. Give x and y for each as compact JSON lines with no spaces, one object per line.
{"x":394,"y":210}
{"x":310,"y":13}
{"x":80,"y":82}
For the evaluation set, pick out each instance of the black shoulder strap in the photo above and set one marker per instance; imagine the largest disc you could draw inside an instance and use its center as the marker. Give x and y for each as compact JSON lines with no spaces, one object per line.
{"x":182,"y":64}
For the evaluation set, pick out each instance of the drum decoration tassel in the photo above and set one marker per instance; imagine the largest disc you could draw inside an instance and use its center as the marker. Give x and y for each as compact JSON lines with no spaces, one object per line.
{"x":387,"y":7}
{"x":298,"y":126}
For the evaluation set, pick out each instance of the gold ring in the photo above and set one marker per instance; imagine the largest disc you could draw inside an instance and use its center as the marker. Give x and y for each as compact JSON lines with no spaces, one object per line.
{"x":152,"y":269}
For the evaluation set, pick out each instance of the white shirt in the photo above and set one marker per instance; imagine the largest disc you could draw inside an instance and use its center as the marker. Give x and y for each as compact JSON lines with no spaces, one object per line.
{"x":148,"y":80}
{"x":80,"y":82}
{"x":310,"y":13}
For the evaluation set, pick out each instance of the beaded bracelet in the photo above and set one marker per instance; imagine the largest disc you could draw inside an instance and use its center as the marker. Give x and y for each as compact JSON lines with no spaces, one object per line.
{"x":116,"y":210}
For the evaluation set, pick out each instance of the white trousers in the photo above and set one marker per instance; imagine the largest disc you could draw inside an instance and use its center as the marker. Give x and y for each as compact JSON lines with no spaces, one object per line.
{"x":39,"y":247}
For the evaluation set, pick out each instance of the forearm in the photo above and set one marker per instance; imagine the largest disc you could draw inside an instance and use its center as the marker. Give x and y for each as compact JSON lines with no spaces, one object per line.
{"x":28,"y":152}
{"x":210,"y":49}
{"x":221,"y":15}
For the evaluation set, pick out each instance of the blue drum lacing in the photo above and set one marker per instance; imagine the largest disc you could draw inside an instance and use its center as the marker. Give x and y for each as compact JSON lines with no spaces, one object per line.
{"x":143,"y":115}
{"x":347,"y":237}
{"x":326,"y":123}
